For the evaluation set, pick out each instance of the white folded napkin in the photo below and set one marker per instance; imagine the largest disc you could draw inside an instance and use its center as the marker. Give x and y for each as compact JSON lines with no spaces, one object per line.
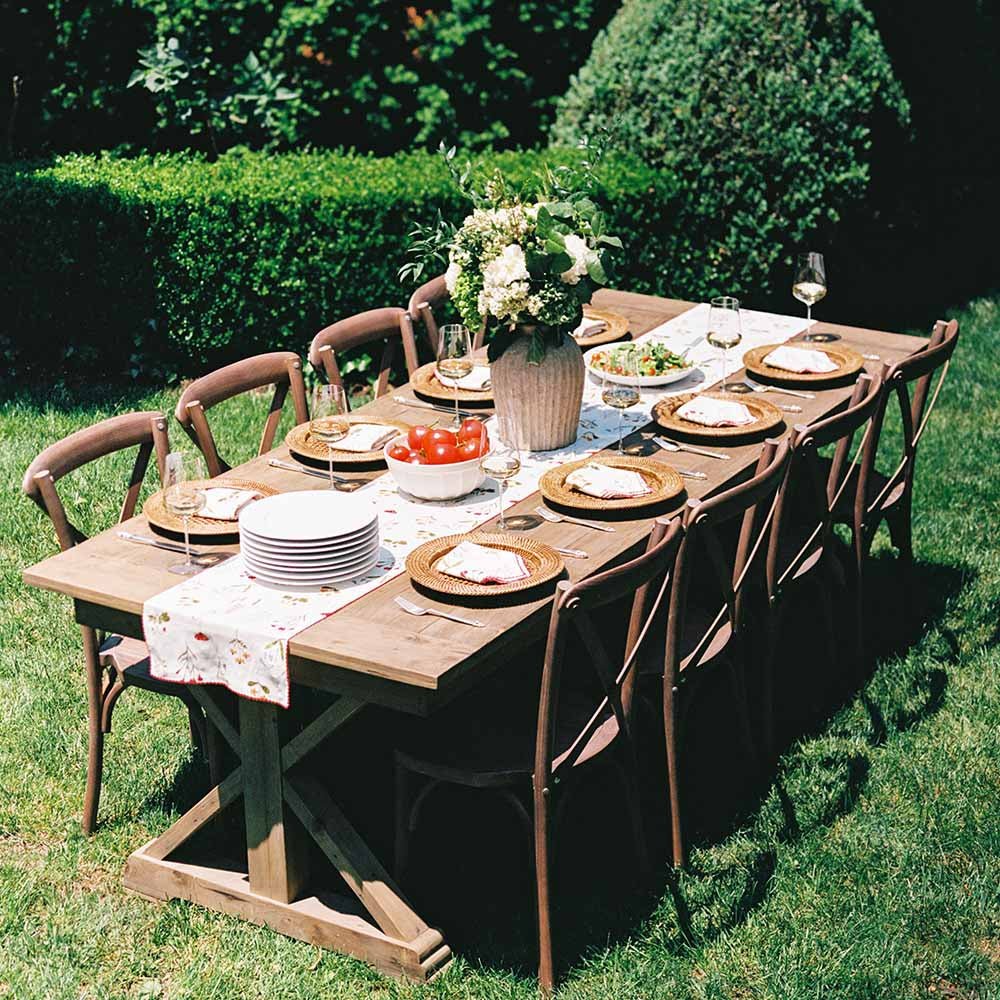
{"x":710,"y":412}
{"x":588,"y":327}
{"x":222,"y":503}
{"x":362,"y":437}
{"x":477,"y":380}
{"x":800,"y":360}
{"x":607,"y":483}
{"x":481,"y":564}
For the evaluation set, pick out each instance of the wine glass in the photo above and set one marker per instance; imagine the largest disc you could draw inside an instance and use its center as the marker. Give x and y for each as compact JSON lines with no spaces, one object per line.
{"x":809,"y":287}
{"x":502,"y":462}
{"x":329,"y":422}
{"x":183,"y":496}
{"x":454,"y":357}
{"x":724,"y":331}
{"x":621,"y":397}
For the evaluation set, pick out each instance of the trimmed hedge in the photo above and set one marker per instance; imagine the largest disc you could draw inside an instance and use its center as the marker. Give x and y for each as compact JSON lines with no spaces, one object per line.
{"x":167,"y":265}
{"x":767,"y":112}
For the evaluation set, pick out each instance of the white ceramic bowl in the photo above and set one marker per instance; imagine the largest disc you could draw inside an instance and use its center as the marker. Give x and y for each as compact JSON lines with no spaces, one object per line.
{"x":641,"y":381}
{"x":435,"y":482}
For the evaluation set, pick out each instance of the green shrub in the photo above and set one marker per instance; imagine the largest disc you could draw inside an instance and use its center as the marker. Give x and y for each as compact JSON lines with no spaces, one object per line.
{"x":765,"y":112}
{"x":185,"y":264}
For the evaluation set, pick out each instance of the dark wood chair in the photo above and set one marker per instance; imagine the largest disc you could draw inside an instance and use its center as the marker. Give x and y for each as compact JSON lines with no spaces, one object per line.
{"x":426,"y":306}
{"x":113,"y":662}
{"x":282,"y":369}
{"x":801,"y":552}
{"x":390,"y":325}
{"x":713,"y":603}
{"x":538,"y":742}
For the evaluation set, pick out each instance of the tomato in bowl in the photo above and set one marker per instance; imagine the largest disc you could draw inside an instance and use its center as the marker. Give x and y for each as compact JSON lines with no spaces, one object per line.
{"x":438,"y":464}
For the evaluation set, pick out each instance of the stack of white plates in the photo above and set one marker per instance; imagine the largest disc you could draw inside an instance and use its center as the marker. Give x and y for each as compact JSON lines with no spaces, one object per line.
{"x":309,"y":539}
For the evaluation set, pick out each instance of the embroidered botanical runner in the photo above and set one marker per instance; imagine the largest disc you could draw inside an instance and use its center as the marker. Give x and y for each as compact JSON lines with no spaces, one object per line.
{"x":222,"y":627}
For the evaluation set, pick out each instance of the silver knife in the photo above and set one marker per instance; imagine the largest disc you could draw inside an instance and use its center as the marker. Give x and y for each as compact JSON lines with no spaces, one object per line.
{"x":690,"y":475}
{"x":667,"y":445}
{"x":291,"y":467}
{"x":573,"y":553}
{"x":156,"y":543}
{"x":421,"y":404}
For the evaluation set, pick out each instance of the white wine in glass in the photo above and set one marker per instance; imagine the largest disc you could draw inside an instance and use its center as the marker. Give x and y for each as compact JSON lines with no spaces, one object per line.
{"x":809,"y":287}
{"x":184,"y":496}
{"x":330,"y":422}
{"x":454,"y":357}
{"x":619,"y":396}
{"x":725,"y":330}
{"x":501,"y":462}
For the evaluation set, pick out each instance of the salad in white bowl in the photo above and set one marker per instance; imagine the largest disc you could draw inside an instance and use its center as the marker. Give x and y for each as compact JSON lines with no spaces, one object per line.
{"x":655,"y":363}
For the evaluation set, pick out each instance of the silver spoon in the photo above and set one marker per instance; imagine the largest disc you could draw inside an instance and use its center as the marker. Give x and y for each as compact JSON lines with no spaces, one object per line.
{"x":551,"y":515}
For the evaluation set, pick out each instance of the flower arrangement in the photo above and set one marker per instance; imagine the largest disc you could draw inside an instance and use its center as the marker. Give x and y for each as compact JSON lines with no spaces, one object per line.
{"x":522,"y":260}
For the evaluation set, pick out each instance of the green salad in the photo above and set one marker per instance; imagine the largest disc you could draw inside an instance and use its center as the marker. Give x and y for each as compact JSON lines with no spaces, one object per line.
{"x":647,"y":359}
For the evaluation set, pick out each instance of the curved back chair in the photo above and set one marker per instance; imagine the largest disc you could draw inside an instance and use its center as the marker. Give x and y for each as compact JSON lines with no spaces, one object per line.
{"x":391,"y":325}
{"x":282,"y":369}
{"x":426,"y":305}
{"x":574,"y":726}
{"x":113,"y":662}
{"x":710,"y":627}
{"x":800,"y":551}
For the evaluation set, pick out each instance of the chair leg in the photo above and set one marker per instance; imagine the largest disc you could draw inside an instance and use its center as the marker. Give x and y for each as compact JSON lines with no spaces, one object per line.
{"x":95,"y":733}
{"x":110,"y":695}
{"x":633,"y":803}
{"x":671,"y":726}
{"x":738,"y":684}
{"x":767,"y":685}
{"x":901,"y":534}
{"x":546,"y":971}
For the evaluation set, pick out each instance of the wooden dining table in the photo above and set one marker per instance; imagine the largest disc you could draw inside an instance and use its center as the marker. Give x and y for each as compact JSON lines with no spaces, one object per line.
{"x":368,"y":653}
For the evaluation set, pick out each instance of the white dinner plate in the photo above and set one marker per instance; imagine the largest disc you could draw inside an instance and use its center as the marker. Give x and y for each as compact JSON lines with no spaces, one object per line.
{"x":312,"y":559}
{"x":279,"y":579}
{"x":308,"y":516}
{"x":311,"y":548}
{"x":293,"y":569}
{"x":641,"y":381}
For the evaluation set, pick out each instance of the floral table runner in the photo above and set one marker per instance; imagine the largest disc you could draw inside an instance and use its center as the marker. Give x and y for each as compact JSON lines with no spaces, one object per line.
{"x":222,"y":627}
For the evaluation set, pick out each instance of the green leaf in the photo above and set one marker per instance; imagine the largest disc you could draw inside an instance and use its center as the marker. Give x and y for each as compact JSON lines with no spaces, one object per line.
{"x":595,"y":270}
{"x":559,"y":263}
{"x":554,"y":243}
{"x":536,"y":349}
{"x":611,"y":241}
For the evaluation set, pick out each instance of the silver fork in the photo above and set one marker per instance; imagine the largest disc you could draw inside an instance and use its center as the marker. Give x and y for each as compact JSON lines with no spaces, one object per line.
{"x":551,"y":515}
{"x":416,"y":609}
{"x":757,"y":387}
{"x":667,"y":445}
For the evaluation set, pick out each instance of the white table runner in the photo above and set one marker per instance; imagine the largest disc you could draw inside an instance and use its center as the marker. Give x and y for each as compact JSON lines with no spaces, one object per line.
{"x":222,"y":627}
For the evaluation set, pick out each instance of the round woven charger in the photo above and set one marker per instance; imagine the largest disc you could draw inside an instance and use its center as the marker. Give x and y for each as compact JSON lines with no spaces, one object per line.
{"x":616,"y":329}
{"x":201,"y":527}
{"x":767,"y":417}
{"x":303,"y":445}
{"x":543,"y":562}
{"x":424,"y":382}
{"x":663,"y":480}
{"x":848,"y":362}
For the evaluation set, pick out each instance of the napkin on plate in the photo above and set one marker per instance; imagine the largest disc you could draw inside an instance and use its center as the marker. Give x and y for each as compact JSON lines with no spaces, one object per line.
{"x":365,"y":437}
{"x":477,"y":380}
{"x":607,"y":483}
{"x":588,"y":327}
{"x":800,"y":360}
{"x":711,"y":412}
{"x":481,"y":564}
{"x":223,"y":503}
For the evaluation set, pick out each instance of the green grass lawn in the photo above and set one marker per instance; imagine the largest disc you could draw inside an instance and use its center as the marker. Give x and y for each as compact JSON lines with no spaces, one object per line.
{"x":869,"y":868}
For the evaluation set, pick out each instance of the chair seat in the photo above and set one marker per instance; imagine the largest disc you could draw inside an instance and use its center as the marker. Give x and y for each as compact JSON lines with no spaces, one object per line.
{"x":698,"y":619}
{"x":129,"y":658}
{"x":843,"y":511}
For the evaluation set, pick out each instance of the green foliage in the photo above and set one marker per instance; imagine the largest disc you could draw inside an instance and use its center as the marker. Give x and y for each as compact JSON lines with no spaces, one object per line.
{"x":380,"y":76}
{"x":766,"y":113}
{"x":165,"y":265}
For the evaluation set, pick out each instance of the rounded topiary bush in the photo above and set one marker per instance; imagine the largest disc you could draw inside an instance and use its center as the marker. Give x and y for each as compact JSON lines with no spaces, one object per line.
{"x":765,"y":112}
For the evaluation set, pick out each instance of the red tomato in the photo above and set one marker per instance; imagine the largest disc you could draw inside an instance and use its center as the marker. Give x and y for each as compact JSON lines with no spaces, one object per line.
{"x":417,"y":458}
{"x":484,"y":443}
{"x":439,"y":436}
{"x":471,"y":429}
{"x":469,"y":449}
{"x":441,"y":453}
{"x":416,"y":436}
{"x":399,"y":452}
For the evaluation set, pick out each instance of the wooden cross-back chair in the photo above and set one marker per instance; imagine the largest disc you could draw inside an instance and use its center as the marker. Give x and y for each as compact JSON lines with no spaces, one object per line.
{"x":800,"y":553}
{"x":282,"y":369}
{"x":426,"y":306}
{"x":390,"y":325}
{"x":708,"y":626}
{"x":889,"y":498}
{"x":547,"y":740}
{"x":113,"y":662}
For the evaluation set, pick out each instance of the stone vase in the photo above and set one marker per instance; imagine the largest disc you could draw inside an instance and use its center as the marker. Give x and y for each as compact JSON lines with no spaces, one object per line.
{"x":538,"y":406}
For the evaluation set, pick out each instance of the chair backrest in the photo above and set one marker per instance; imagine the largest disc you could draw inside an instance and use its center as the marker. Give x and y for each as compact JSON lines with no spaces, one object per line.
{"x":646,"y":578}
{"x":816,"y":487}
{"x":282,"y":369}
{"x":145,"y":430}
{"x":390,"y":325}
{"x":917,"y":370}
{"x":430,"y":296}
{"x":731,"y":578}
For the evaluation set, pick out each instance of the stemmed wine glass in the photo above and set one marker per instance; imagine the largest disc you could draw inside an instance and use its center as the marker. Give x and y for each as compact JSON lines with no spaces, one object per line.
{"x":725,"y":330}
{"x":184,"y":496}
{"x":454,"y":357}
{"x":809,"y":287}
{"x":621,"y":397}
{"x":502,"y":462}
{"x":329,"y":422}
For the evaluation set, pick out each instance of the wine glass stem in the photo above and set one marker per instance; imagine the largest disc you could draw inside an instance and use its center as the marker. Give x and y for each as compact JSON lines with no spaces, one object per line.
{"x":330,"y":461}
{"x":187,"y":543}
{"x":502,"y":523}
{"x":809,"y":312}
{"x":621,"y":450}
{"x":458,"y":422}
{"x":725,"y":366}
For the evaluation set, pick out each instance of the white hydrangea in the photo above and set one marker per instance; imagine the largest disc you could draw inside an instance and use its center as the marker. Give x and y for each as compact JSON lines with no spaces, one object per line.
{"x":505,"y":283}
{"x":451,"y":276}
{"x":576,"y":247}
